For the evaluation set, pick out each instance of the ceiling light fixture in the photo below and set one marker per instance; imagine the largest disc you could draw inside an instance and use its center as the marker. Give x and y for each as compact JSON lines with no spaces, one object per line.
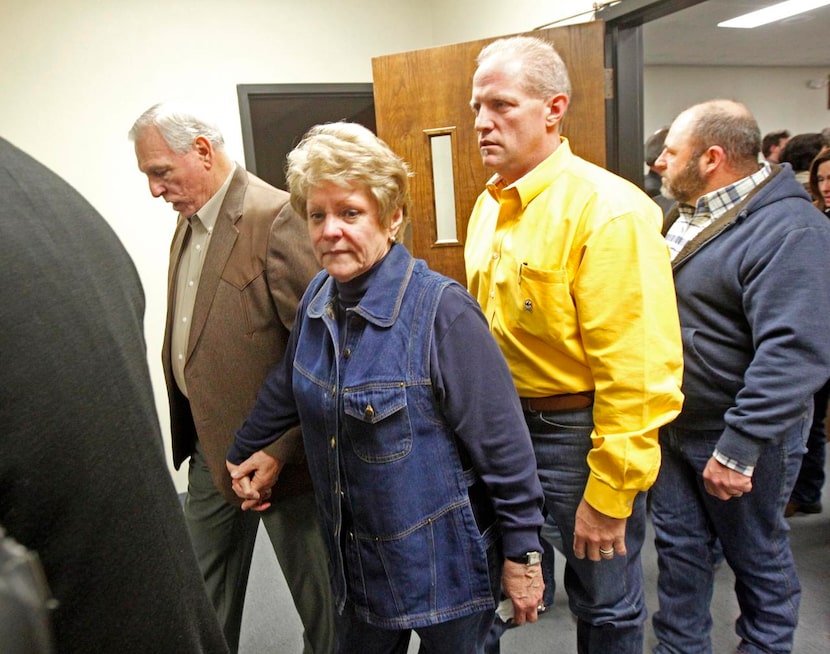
{"x":773,"y":13}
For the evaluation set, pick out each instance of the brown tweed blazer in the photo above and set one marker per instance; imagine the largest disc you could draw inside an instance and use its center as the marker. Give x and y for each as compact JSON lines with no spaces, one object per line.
{"x":256,"y":269}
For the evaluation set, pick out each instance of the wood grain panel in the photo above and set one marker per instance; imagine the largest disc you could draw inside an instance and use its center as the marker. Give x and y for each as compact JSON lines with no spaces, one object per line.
{"x":430,"y":89}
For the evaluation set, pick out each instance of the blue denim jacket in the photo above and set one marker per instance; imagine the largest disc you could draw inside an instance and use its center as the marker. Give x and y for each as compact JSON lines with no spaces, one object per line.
{"x":407,"y":543}
{"x":391,"y":461}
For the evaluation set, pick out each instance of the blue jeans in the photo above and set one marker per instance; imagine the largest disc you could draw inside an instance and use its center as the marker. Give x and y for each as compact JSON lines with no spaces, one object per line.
{"x":754,"y":536}
{"x":466,"y":635}
{"x":459,"y":636}
{"x":605,"y":596}
{"x":810,"y":479}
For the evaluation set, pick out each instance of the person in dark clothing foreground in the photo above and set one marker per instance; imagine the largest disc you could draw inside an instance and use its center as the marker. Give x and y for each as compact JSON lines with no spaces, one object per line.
{"x":83,"y":478}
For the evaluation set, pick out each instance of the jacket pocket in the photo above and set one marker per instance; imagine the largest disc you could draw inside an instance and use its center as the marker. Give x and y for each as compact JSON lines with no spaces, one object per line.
{"x":436,"y":569}
{"x":377,"y":421}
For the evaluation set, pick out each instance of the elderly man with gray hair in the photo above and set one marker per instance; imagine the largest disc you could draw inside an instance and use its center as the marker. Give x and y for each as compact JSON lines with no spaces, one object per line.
{"x":239,"y":262}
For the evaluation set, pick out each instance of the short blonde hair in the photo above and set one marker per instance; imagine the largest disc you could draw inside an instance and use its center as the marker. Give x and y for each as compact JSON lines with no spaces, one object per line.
{"x":347,"y":154}
{"x":544,"y":74}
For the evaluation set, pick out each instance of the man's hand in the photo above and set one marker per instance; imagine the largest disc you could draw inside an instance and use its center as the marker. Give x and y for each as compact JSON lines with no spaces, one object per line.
{"x":597,"y":535}
{"x":724,"y":483}
{"x":524,"y":586}
{"x":253,"y":479}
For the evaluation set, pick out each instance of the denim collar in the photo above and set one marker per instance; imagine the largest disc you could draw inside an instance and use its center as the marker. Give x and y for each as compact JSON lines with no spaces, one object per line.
{"x":382,"y":301}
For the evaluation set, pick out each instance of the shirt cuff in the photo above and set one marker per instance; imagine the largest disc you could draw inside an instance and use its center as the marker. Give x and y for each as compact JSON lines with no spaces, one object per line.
{"x":611,"y":502}
{"x":518,"y":542}
{"x":733,"y":464}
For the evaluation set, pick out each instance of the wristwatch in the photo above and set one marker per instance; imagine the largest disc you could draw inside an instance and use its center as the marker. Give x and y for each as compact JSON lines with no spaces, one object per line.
{"x":529,"y":558}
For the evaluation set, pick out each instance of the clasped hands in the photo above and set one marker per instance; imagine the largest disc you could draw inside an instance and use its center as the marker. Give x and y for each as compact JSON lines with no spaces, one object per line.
{"x":253,"y":479}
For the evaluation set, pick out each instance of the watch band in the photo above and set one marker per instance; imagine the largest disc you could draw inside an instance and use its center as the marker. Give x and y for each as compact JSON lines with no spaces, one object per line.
{"x":529,"y":558}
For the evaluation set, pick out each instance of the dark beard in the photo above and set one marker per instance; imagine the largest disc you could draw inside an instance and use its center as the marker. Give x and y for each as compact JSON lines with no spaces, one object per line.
{"x":687,"y":185}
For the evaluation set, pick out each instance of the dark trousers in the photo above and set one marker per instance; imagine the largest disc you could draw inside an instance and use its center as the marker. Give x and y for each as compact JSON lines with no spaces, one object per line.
{"x":810,"y":480}
{"x":223,"y":538}
{"x":466,"y":635}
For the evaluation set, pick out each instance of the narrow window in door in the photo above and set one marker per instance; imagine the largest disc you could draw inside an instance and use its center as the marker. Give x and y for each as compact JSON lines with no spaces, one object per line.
{"x":443,"y":186}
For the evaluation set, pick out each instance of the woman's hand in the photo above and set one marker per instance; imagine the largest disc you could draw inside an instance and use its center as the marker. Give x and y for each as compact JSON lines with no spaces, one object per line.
{"x":523,"y":584}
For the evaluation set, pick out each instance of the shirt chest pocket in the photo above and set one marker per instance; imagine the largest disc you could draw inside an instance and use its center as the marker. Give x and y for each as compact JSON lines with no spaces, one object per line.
{"x":377,"y":422}
{"x":540,"y":304}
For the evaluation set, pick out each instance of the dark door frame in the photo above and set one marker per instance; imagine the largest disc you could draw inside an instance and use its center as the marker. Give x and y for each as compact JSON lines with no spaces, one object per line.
{"x":624,"y":55}
{"x":275,"y":116}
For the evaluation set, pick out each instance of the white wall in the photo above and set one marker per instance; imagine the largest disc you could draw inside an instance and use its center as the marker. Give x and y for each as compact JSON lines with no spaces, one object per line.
{"x":76,"y":74}
{"x":778,"y":97}
{"x":469,"y":20}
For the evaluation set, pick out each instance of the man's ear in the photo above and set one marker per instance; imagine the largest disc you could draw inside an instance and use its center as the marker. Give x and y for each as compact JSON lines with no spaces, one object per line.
{"x":556,"y":108}
{"x":204,"y":150}
{"x":713,"y":158}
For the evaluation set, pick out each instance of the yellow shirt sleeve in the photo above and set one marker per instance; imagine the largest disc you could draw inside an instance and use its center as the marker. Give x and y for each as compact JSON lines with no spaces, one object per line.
{"x":624,"y":295}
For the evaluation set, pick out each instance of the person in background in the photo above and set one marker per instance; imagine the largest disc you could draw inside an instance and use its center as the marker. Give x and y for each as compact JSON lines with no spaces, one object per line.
{"x":806,"y":494}
{"x":652,"y":150}
{"x":773,"y":143}
{"x":567,"y":262}
{"x":422,"y":464}
{"x":799,"y":152}
{"x":83,"y":479}
{"x":820,"y":181}
{"x":239,"y":262}
{"x":653,"y":181}
{"x":753,"y":289}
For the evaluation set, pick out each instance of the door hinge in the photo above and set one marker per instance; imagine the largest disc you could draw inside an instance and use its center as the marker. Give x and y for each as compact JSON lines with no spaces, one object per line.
{"x":609,"y":83}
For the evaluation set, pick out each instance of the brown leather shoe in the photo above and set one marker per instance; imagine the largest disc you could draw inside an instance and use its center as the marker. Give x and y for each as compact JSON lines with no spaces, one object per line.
{"x":794,"y":507}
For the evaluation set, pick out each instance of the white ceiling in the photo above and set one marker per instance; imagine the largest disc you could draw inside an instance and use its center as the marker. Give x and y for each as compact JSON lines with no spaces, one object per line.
{"x":691,"y":37}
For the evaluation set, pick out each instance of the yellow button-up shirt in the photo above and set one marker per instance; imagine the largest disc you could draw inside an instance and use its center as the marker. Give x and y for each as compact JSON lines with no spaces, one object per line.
{"x":571,"y":270}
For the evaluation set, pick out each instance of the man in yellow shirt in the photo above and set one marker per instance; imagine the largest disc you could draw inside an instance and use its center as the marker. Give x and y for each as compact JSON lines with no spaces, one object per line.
{"x":568,"y":264}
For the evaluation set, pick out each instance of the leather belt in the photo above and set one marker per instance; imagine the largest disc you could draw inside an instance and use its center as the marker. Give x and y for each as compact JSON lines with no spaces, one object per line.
{"x":553,"y":403}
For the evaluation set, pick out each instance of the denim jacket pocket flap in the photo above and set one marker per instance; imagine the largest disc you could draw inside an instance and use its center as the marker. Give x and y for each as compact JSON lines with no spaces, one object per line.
{"x":371,"y":404}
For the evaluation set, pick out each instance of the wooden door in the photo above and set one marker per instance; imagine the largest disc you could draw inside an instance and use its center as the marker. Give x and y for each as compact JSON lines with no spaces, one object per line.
{"x":422,"y":98}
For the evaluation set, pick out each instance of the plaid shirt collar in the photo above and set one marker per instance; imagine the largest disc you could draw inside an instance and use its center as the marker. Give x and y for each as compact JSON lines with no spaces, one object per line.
{"x":713,"y":205}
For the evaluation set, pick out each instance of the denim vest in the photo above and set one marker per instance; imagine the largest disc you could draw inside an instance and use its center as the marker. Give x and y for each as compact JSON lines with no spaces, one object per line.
{"x":403,"y":539}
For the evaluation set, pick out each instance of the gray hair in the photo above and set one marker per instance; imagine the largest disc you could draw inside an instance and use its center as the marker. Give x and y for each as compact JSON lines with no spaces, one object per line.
{"x":543,"y":71}
{"x":178,"y":126}
{"x":345,"y":154}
